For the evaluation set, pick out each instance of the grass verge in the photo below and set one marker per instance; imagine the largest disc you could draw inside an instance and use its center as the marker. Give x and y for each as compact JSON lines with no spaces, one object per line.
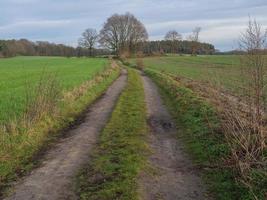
{"x":19,"y":73}
{"x":22,"y":143}
{"x":202,"y":137}
{"x":121,"y":154}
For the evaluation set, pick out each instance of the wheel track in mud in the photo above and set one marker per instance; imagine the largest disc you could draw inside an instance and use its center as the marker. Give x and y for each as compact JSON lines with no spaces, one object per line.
{"x":54,"y":178}
{"x":175,"y":177}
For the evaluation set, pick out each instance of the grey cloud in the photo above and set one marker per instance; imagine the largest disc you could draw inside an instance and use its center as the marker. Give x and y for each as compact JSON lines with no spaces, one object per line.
{"x":64,"y":20}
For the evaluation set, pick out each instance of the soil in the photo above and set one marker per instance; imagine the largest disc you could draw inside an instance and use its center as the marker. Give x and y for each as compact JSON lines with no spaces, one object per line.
{"x":54,"y":178}
{"x":175,"y":176}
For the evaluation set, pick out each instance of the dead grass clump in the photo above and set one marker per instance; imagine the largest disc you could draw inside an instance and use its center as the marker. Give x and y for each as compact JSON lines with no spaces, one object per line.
{"x":43,"y":98}
{"x":77,"y":92}
{"x":139,"y":61}
{"x":124,"y":54}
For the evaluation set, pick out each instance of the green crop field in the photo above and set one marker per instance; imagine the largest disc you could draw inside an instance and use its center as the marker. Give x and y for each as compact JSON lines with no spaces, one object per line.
{"x":19,"y":73}
{"x":222,"y":70}
{"x":60,"y":90}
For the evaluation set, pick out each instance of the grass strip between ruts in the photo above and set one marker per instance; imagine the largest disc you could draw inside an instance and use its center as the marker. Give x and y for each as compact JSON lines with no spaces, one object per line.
{"x":121,"y":154}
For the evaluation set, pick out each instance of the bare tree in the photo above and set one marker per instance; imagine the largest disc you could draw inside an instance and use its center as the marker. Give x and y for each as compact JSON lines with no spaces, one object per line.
{"x":89,"y":39}
{"x":194,"y":37}
{"x":122,"y":33}
{"x":173,"y":36}
{"x":253,"y":43}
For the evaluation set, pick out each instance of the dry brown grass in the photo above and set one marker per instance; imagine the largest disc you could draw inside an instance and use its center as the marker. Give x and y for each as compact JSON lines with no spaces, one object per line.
{"x":77,"y":92}
{"x":244,"y":135}
{"x":139,"y":61}
{"x":42,"y":99}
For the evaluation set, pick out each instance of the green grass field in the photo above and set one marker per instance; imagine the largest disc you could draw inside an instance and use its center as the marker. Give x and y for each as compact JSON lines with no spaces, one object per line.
{"x":82,"y":81}
{"x":16,"y":74}
{"x":220,"y":70}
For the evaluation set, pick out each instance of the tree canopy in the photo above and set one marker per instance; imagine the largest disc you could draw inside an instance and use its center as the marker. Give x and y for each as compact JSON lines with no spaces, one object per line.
{"x":122,"y":33}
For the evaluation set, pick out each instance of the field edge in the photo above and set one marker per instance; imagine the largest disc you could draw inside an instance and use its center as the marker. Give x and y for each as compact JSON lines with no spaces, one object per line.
{"x":50,"y":128}
{"x":201,"y":135}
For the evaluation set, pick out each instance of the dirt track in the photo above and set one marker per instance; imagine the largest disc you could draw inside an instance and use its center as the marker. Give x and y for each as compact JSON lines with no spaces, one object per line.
{"x":175,"y":178}
{"x":54,"y":179}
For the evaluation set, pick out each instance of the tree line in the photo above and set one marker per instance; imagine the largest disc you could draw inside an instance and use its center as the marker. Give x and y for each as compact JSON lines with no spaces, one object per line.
{"x":178,"y":47}
{"x":126,"y":35}
{"x":120,"y":35}
{"x":24,"y":47}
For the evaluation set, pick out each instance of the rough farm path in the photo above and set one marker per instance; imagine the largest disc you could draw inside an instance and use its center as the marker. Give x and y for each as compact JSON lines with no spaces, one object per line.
{"x":54,"y":179}
{"x":175,"y":177}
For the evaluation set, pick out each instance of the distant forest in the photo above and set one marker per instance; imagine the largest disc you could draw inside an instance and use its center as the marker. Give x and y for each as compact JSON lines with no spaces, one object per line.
{"x":121,"y":35}
{"x":178,"y":47}
{"x":23,"y":47}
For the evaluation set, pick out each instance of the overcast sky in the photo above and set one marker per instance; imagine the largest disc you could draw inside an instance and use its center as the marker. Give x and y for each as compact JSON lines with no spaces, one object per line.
{"x":62,"y":21}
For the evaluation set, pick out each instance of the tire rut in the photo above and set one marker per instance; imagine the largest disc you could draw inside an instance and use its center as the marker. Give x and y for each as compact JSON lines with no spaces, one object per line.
{"x":175,"y":177}
{"x":54,"y":179}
